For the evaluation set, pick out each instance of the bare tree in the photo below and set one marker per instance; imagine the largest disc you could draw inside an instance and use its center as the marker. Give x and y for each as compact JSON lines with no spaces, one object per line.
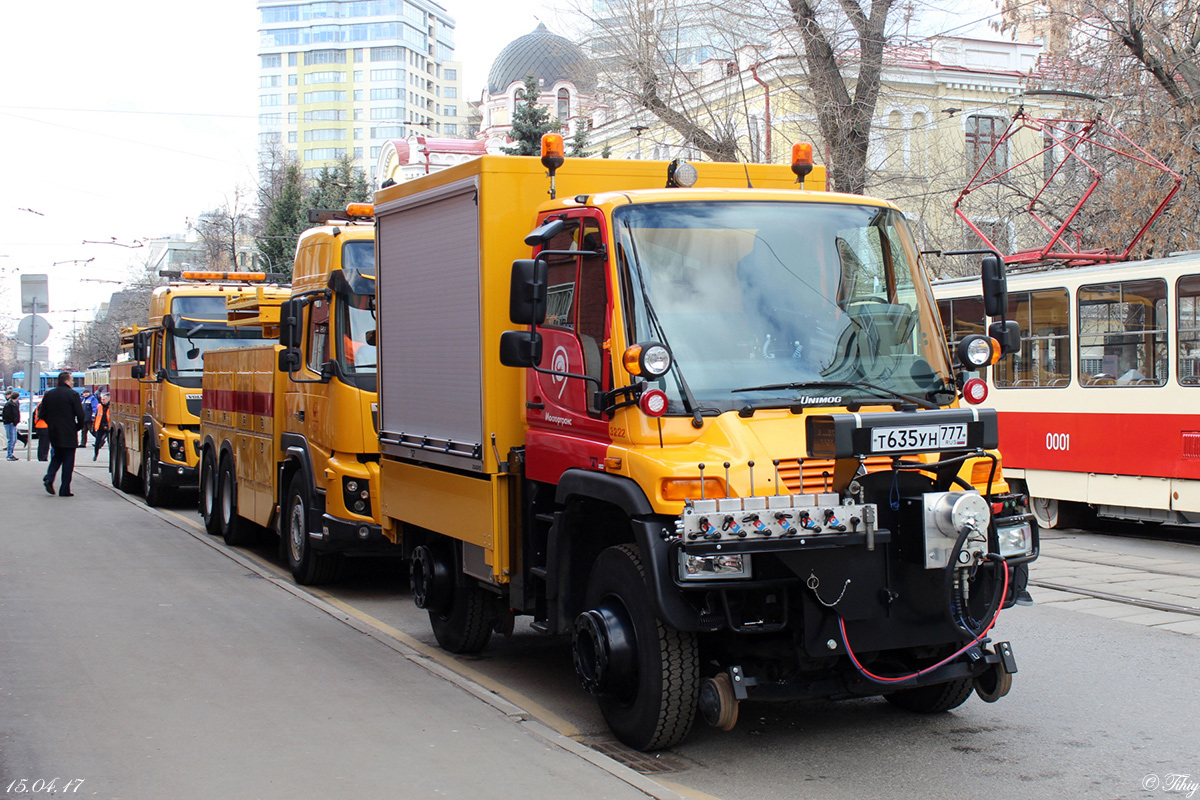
{"x":223,"y":229}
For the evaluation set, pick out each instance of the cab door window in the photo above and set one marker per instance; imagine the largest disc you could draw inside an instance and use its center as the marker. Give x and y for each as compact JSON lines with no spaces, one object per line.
{"x":318,"y":334}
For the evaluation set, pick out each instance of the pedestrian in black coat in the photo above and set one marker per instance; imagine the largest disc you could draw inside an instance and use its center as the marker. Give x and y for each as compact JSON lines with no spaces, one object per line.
{"x":62,"y":411}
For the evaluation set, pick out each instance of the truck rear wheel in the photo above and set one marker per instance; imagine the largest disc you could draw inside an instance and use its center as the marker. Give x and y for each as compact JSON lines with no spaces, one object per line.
{"x":309,"y":568}
{"x":655,"y":706}
{"x":465,"y":626}
{"x":208,"y":494}
{"x":152,"y":491}
{"x":233,"y":527}
{"x":933,"y":699}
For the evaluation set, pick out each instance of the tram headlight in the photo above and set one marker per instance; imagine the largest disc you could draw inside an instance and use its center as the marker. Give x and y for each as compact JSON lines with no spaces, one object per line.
{"x":1015,"y":540}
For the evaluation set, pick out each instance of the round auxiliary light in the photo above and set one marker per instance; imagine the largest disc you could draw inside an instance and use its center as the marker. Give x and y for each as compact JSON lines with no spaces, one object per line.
{"x":975,"y":391}
{"x":359,"y":506}
{"x":979,"y":351}
{"x":352,"y":486}
{"x":653,"y":402}
{"x":656,"y":360}
{"x":684,"y":175}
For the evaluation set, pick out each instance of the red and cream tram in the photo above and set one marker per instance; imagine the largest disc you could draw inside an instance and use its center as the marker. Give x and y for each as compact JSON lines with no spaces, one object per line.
{"x":1100,"y":411}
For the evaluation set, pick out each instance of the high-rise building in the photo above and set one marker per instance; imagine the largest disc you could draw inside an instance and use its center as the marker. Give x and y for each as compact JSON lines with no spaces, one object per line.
{"x":342,"y":78}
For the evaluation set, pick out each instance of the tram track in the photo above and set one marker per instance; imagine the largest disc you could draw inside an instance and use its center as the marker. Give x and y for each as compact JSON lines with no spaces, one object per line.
{"x":1153,"y":604}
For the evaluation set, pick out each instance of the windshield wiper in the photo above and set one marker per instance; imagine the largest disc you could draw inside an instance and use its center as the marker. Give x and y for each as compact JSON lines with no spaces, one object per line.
{"x":776,"y":387}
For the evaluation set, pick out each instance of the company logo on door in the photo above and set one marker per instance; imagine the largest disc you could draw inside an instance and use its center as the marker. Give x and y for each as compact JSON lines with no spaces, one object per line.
{"x":560,"y":363}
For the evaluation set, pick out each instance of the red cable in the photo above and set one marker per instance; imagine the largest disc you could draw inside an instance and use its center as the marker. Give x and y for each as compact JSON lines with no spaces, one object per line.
{"x":948,"y":659}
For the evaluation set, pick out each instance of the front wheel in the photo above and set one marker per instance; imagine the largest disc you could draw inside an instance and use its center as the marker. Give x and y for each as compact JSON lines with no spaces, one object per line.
{"x":152,"y":490}
{"x":309,"y":568}
{"x":652,"y":703}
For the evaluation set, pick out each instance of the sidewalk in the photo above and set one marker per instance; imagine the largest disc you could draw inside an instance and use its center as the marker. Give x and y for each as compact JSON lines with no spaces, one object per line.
{"x":140,"y":660}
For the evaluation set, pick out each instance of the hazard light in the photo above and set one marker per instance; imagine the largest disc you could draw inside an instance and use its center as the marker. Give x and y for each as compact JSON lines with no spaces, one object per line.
{"x":553,"y":152}
{"x":802,"y":160}
{"x":190,"y":275}
{"x":360,"y":210}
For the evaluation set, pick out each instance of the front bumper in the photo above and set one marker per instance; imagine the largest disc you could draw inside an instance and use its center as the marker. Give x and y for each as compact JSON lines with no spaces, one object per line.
{"x":177,"y":476}
{"x":337,"y":535}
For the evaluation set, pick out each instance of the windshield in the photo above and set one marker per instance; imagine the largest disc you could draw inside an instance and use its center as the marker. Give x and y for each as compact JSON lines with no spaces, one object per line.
{"x":355,"y":319}
{"x":185,"y":349}
{"x":359,"y":256}
{"x":760,"y":294}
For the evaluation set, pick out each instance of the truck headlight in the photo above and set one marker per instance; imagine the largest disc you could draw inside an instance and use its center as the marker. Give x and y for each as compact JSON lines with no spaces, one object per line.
{"x":356,"y":495}
{"x":1015,"y":540}
{"x":705,"y":568}
{"x":175,"y":448}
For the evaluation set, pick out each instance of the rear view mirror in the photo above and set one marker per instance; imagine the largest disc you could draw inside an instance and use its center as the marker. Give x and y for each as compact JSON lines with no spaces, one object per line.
{"x":289,"y":322}
{"x":139,"y":346}
{"x":995,"y":287}
{"x":137,"y":372}
{"x":289,"y":360}
{"x":527,"y":292}
{"x":1008,"y":334}
{"x":520,"y":348}
{"x":369,"y":337}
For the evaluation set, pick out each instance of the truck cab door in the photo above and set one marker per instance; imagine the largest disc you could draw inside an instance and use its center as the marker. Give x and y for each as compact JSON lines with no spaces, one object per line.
{"x":566,"y":428}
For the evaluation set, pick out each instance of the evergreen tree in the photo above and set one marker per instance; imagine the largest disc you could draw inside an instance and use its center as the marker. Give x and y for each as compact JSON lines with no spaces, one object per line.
{"x":530,"y":122}
{"x":338,"y":185}
{"x":284,"y":216}
{"x":579,"y":142}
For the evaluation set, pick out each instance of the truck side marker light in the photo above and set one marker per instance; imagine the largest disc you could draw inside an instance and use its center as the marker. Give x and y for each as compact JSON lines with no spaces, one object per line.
{"x":900,"y":679}
{"x":653,"y":402}
{"x":975,"y":391}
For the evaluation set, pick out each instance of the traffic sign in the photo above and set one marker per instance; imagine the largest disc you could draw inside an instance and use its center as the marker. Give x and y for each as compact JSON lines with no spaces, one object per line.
{"x":40,"y":353}
{"x":35,"y":294}
{"x":34,"y":325}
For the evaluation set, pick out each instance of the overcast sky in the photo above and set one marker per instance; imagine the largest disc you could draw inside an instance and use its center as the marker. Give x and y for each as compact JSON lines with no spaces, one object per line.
{"x":125,"y":121}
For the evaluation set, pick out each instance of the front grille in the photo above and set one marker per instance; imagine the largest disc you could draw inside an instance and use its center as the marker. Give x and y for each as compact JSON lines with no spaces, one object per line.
{"x":193,"y":406}
{"x":818,"y":472}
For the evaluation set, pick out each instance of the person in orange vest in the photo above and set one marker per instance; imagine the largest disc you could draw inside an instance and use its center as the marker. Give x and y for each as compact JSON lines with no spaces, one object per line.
{"x":40,"y":426}
{"x":100,"y":426}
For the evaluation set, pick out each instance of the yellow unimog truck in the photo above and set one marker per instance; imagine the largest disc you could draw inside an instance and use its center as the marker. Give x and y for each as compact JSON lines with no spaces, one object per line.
{"x":701,"y":420}
{"x":288,"y":442}
{"x":154,"y":435}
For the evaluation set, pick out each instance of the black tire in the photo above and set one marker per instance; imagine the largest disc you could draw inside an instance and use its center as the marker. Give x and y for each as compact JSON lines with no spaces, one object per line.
{"x":466,"y":626}
{"x":309,"y":568}
{"x":112,"y":462}
{"x":126,"y":482}
{"x":152,"y":491}
{"x":661,"y":707}
{"x":208,"y":493}
{"x":233,"y":528}
{"x":935,"y":699}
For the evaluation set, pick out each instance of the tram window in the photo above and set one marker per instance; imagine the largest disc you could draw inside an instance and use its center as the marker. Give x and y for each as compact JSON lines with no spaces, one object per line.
{"x":1045,"y":358}
{"x":961,"y":317}
{"x":1123,"y":334}
{"x":1188,"y":324}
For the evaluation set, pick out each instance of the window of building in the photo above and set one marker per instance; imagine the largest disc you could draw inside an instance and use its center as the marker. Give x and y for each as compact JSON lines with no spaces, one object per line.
{"x":292,"y":59}
{"x":358,"y":152}
{"x":1123,"y":334}
{"x":450,"y":74}
{"x":375,"y":152}
{"x":269,"y":120}
{"x":386,"y":93}
{"x":451,"y":111}
{"x":291,"y":118}
{"x":325,"y":57}
{"x":388,"y":132}
{"x":270,"y":100}
{"x":387,"y":112}
{"x":291,"y":98}
{"x":269,"y":81}
{"x":358,"y":95}
{"x":269,"y":138}
{"x":358,"y":114}
{"x":358,"y":133}
{"x":331,"y":96}
{"x":386,"y":53}
{"x":325,"y":115}
{"x":325,"y":135}
{"x":387,"y":75}
{"x":291,"y":137}
{"x":324,"y":77}
{"x":450,"y":129}
{"x":292,"y":79}
{"x":450,"y":92}
{"x":358,"y":76}
{"x":358,"y":56}
{"x":564,"y":104}
{"x":1044,"y":360}
{"x":1188,"y":327}
{"x":319,"y":153}
{"x":983,"y":132}
{"x":272,"y":61}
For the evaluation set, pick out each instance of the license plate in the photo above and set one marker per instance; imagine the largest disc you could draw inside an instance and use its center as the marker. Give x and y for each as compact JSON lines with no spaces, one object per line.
{"x":918,"y":438}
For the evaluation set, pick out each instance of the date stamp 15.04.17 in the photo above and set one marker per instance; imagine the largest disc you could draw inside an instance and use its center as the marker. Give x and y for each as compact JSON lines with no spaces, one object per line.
{"x":42,"y":786}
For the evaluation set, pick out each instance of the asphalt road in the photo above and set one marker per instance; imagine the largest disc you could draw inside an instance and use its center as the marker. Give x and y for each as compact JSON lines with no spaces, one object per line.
{"x":230,"y":671}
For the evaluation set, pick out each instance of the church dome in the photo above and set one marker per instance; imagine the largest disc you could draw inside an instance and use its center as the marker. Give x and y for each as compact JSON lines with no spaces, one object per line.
{"x":550,"y":57}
